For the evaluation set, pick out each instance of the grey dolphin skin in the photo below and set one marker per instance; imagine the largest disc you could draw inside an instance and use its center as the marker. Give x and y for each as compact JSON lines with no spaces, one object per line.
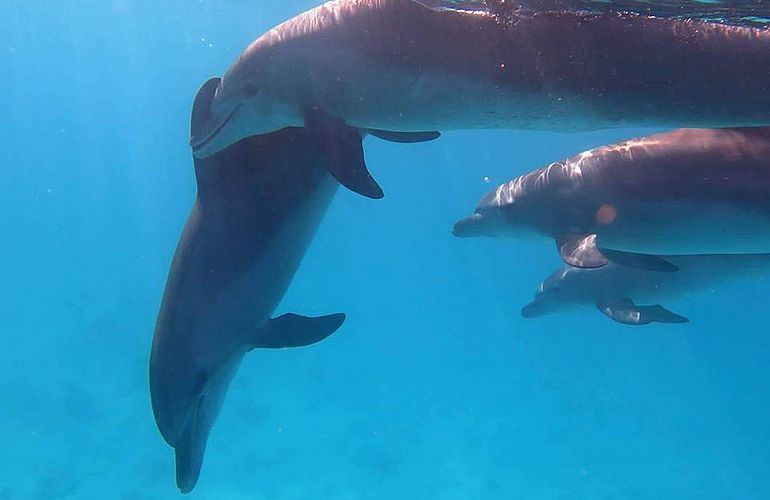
{"x":690,"y":191}
{"x":614,"y":289}
{"x":399,"y":68}
{"x":259,"y":204}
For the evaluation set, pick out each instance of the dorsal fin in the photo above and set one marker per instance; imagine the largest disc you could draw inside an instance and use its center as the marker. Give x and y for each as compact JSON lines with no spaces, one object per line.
{"x":201,"y":111}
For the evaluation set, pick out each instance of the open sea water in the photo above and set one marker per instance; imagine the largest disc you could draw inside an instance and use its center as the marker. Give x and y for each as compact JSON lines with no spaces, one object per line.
{"x":435,"y":387}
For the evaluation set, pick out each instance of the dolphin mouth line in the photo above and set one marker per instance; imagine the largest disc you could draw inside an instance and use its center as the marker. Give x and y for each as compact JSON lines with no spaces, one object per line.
{"x":198,"y":144}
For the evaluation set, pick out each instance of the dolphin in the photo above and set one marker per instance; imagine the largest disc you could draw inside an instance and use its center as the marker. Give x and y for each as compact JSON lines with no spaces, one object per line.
{"x":615,"y":288}
{"x":689,"y":191}
{"x":404,"y":69}
{"x":258,"y":206}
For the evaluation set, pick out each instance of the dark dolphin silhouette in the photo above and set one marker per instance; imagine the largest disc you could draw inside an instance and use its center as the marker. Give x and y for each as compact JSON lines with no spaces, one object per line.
{"x":259,"y":204}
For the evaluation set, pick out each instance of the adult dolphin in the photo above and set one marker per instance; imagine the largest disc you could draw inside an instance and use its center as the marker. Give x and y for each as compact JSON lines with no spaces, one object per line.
{"x":690,"y":191}
{"x":259,"y":203}
{"x":398,"y":68}
{"x":614,"y":289}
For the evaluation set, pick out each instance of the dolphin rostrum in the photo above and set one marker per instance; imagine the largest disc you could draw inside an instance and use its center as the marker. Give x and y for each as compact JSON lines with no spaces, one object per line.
{"x":258,"y":206}
{"x":690,"y":191}
{"x":399,"y":68}
{"x":614,"y":289}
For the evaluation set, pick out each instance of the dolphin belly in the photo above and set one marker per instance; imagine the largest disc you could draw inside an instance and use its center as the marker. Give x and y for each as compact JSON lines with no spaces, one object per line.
{"x":686,"y":227}
{"x":378,"y":96}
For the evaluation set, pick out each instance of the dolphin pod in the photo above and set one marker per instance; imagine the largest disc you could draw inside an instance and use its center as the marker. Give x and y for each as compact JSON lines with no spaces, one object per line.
{"x":274,"y":138}
{"x":614,"y":289}
{"x":399,"y":67}
{"x":678,"y":192}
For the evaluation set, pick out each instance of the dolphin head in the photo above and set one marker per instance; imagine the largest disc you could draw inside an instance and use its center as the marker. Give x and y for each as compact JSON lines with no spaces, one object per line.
{"x":556,"y":293}
{"x":480,"y":223}
{"x":511,"y":220}
{"x":187,"y":395}
{"x":510,"y":209}
{"x":547,"y":300}
{"x":238,"y":118}
{"x":244,"y":104}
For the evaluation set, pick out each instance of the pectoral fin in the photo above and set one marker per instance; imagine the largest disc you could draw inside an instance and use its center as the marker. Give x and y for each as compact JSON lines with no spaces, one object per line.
{"x":404,"y":137}
{"x":639,"y":261}
{"x":293,"y":330}
{"x":623,"y":310}
{"x":580,"y":251}
{"x":342,"y":146}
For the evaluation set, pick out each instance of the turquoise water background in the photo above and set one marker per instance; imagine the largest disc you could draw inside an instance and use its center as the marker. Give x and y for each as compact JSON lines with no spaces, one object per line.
{"x":435,"y":388}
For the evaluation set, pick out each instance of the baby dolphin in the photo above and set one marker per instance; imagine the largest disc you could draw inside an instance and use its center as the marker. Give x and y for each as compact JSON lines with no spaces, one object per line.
{"x":259,"y":204}
{"x":614,"y":288}
{"x":400,"y":69}
{"x":690,"y":191}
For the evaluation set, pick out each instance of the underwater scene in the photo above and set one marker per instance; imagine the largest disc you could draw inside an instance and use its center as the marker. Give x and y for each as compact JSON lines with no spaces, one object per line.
{"x":385,"y":249}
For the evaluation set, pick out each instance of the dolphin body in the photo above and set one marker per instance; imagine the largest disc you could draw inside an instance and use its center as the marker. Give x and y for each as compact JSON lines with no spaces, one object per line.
{"x":690,"y":191}
{"x":399,"y":68}
{"x":259,"y":204}
{"x":614,"y":288}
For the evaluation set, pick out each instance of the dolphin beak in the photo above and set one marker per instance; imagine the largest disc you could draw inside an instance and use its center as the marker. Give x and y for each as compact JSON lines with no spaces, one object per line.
{"x":531,"y":310}
{"x":189,"y":450}
{"x":201,"y":140}
{"x":469,"y":227}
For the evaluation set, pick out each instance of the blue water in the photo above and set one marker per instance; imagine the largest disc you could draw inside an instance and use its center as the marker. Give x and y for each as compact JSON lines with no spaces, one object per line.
{"x":435,"y":388}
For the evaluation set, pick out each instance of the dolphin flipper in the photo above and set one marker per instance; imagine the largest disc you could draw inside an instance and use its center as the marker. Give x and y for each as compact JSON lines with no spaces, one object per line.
{"x":581,"y":251}
{"x":404,"y":137}
{"x":293,"y":330}
{"x":639,"y":261}
{"x":343,"y":148}
{"x":623,"y":310}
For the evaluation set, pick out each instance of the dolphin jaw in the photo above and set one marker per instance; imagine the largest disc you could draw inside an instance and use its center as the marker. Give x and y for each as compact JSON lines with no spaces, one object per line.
{"x":469,"y":227}
{"x":199,"y":142}
{"x":531,"y":310}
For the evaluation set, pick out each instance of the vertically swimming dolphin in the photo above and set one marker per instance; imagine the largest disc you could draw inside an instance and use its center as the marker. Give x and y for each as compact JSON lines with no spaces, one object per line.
{"x":423,"y":65}
{"x":259,"y":203}
{"x":690,"y":191}
{"x":614,"y":289}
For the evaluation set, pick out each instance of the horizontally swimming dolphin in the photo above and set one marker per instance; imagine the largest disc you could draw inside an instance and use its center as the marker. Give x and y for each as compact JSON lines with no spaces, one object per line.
{"x":614,"y":289}
{"x":690,"y":191}
{"x":397,"y":66}
{"x":259,"y":203}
